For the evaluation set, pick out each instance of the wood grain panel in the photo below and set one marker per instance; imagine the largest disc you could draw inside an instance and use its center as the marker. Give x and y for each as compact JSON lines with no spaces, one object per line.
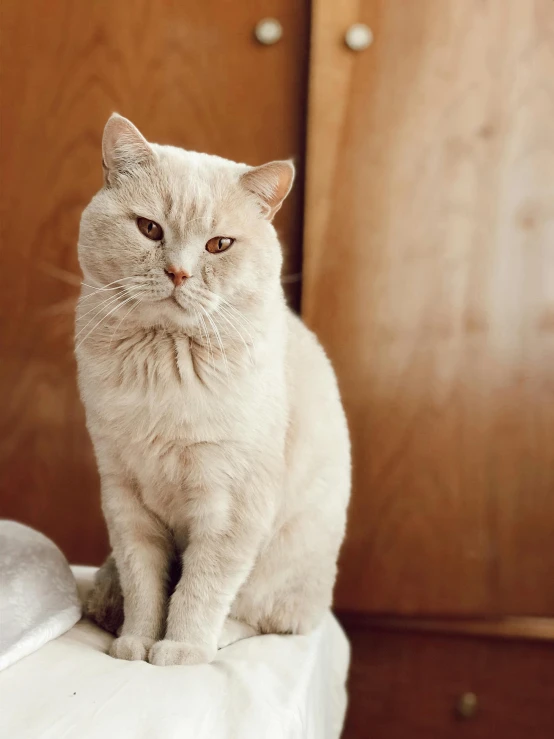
{"x":186,"y":73}
{"x":405,"y":684}
{"x":429,"y":276}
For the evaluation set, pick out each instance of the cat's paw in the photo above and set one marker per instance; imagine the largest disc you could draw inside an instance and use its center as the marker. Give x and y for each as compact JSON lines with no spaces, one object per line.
{"x":131,"y":647}
{"x":166,"y":652}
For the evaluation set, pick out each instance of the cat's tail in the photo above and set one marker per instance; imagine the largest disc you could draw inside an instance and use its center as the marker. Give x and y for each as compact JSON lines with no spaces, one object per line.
{"x":105,"y":602}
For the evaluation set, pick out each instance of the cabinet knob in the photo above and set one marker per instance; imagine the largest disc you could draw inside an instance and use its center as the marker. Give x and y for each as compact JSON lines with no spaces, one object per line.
{"x":466,"y":705}
{"x":358,"y":37}
{"x":268,"y":31}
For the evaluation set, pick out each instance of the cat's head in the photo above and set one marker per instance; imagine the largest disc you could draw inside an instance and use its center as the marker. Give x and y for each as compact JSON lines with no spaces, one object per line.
{"x":182,"y":232}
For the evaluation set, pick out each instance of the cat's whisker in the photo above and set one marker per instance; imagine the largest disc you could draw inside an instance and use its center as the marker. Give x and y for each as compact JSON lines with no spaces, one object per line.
{"x":209,"y":341}
{"x":103,"y":304}
{"x":98,"y":307}
{"x":119,"y":305}
{"x":217,"y":335}
{"x":243,"y":320}
{"x":204,"y":331}
{"x":122,"y":290}
{"x":219,"y":341}
{"x":62,"y":275}
{"x":203,"y":336}
{"x":239,"y":313}
{"x":243,"y":324}
{"x":139,"y":301}
{"x":82,"y":298}
{"x":217,"y":309}
{"x":102,"y":290}
{"x":202,"y":398}
{"x":210,"y":348}
{"x":103,"y":287}
{"x":233,"y":326}
{"x":106,"y":288}
{"x":63,"y":306}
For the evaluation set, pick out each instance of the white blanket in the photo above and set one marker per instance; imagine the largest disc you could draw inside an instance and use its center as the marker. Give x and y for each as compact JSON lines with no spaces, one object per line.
{"x":38,"y":594}
{"x":266,"y":687}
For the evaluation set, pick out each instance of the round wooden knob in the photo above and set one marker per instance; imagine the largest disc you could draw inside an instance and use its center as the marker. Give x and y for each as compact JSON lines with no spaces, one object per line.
{"x":466,"y":705}
{"x":358,"y":37}
{"x":268,"y":31}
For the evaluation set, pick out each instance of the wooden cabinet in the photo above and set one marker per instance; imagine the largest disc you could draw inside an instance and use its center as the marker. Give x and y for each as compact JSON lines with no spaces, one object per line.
{"x":414,"y":685}
{"x":429,"y":277}
{"x":187,"y":73}
{"x":428,"y":274}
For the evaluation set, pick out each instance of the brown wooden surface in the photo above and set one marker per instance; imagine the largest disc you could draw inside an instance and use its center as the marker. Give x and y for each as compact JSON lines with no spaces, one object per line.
{"x":406,"y":686}
{"x":428,"y":275}
{"x":185,"y":72}
{"x":505,"y":627}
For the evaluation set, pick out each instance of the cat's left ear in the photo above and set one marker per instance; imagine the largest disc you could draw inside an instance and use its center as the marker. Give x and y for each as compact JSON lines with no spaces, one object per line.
{"x":124,"y":148}
{"x":270,"y":183}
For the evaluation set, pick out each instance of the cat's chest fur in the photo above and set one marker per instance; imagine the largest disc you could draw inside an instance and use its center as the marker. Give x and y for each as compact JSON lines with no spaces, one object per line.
{"x":156,"y":384}
{"x":182,"y":423}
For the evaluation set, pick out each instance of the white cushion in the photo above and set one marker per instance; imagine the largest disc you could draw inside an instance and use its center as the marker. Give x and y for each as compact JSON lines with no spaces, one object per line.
{"x":270,"y":687}
{"x":38,"y":594}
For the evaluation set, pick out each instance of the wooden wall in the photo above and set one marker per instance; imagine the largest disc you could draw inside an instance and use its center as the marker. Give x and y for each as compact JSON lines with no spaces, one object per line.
{"x":429,"y":277}
{"x":186,"y":73}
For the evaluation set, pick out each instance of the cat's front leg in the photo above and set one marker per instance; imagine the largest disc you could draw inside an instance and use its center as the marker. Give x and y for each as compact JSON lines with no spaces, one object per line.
{"x":141,"y":548}
{"x":214,"y":568}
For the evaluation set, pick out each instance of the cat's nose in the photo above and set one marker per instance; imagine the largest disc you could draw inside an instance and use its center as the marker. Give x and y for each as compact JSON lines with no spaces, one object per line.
{"x":177,"y":276}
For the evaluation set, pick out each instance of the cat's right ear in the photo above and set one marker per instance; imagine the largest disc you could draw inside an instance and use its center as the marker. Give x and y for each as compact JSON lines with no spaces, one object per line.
{"x":124,"y":148}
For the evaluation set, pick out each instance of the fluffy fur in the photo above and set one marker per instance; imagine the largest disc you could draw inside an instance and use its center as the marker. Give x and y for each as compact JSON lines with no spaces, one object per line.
{"x":215,"y":415}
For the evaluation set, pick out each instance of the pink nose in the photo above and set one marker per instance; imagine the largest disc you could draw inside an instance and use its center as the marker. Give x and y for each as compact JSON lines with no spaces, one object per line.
{"x":177,"y":276}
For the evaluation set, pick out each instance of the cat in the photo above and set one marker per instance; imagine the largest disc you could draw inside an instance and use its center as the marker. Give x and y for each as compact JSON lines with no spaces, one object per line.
{"x":220,"y":438}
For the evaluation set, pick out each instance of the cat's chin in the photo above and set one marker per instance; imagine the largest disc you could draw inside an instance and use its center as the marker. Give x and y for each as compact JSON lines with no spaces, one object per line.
{"x":168,"y":313}
{"x":181,"y":312}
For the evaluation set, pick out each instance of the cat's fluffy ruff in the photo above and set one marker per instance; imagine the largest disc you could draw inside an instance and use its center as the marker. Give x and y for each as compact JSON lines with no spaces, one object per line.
{"x":214,"y":413}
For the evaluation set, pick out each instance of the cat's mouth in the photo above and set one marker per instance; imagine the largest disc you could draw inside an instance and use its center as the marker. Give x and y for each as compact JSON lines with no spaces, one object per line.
{"x":177,"y":302}
{"x":172,"y":299}
{"x":188,"y":302}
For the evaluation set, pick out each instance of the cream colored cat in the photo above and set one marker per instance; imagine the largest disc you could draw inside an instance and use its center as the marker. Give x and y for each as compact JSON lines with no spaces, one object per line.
{"x":214,"y":413}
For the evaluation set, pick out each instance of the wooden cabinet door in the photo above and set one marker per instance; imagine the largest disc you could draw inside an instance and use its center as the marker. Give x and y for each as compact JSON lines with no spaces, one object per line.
{"x":429,"y":277}
{"x":188,"y":73}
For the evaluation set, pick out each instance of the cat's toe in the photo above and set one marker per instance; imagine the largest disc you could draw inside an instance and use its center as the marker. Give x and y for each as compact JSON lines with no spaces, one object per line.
{"x":165,"y":653}
{"x":131,"y":647}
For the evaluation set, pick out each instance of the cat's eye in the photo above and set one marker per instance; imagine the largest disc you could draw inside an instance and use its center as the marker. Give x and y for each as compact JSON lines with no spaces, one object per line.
{"x":150,"y":229}
{"x":219,"y":244}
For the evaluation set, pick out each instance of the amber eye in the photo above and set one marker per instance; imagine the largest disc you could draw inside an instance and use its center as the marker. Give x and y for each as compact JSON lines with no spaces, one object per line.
{"x":219,"y":244}
{"x":150,"y":229}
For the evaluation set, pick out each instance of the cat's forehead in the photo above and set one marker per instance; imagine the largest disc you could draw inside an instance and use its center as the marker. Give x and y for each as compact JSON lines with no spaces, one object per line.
{"x":195,"y":172}
{"x":190,"y":188}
